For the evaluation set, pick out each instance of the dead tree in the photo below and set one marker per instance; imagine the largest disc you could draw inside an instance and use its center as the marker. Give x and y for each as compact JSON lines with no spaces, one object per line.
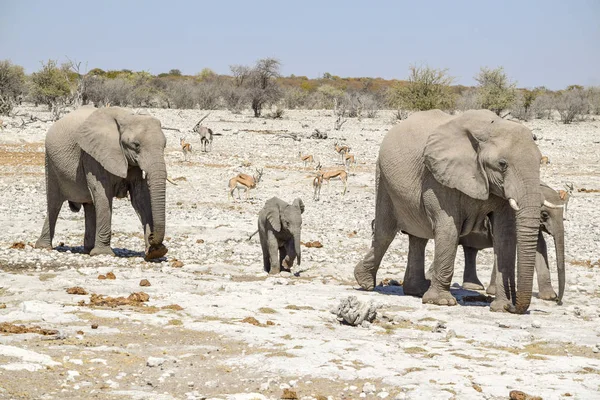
{"x":339,"y":112}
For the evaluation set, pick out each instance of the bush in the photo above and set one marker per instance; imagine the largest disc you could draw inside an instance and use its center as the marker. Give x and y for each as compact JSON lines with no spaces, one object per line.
{"x":594,"y":99}
{"x":542,"y":106}
{"x":51,"y":86}
{"x":260,"y":83}
{"x":572,"y":104}
{"x":12,"y":85}
{"x":427,"y":89}
{"x":495,"y":92}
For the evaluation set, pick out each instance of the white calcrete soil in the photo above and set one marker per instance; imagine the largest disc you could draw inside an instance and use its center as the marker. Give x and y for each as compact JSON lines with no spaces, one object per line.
{"x":240,"y":334}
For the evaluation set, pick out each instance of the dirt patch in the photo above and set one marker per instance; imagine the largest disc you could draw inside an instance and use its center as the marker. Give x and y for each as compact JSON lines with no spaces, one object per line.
{"x":518,"y":395}
{"x":135,"y":299}
{"x":22,"y":155}
{"x":7,"y":327}
{"x":255,"y":322}
{"x":584,"y":190}
{"x":586,"y":263}
{"x":18,"y":245}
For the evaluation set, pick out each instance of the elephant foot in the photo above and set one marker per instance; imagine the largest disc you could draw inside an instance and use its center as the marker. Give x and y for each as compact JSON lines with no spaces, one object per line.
{"x":43,"y":244}
{"x":156,"y":252}
{"x":440,"y":298}
{"x":491,"y":290}
{"x":547,"y":294}
{"x":102,"y":250}
{"x":87,"y":250}
{"x":473,"y":285}
{"x":364,"y":277}
{"x":501,"y":305}
{"x":417,"y":289}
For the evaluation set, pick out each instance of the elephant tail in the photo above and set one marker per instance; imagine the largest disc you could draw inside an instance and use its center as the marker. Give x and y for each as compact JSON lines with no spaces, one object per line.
{"x":250,"y":237}
{"x":75,"y":207}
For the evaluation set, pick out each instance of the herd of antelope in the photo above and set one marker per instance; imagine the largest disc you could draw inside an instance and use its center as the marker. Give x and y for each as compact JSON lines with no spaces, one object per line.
{"x":247,"y":182}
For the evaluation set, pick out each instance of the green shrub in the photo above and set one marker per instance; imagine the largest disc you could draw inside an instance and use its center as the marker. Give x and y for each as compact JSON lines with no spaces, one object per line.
{"x":427,"y":89}
{"x":12,"y":85}
{"x":51,"y":86}
{"x":494,"y":91}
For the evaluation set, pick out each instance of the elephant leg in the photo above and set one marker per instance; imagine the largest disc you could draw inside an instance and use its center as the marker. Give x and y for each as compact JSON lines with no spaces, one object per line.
{"x":446,"y":244}
{"x":470,"y":279}
{"x":384,"y":232}
{"x":45,"y":239}
{"x":415,"y":283}
{"x":491,"y":289}
{"x":264,"y":245}
{"x":287,"y":255}
{"x":273,"y":250}
{"x":103,"y":206}
{"x":545,"y":290}
{"x":90,"y":227}
{"x":54,"y":202}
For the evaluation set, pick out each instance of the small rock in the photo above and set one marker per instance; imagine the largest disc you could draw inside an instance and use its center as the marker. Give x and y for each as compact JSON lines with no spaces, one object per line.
{"x":94,"y":326}
{"x":368,"y":388}
{"x":451,"y":334}
{"x":176,"y":264}
{"x":77,"y":290}
{"x":382,"y":395}
{"x":80,"y":332}
{"x":536,"y":324}
{"x":155,"y":362}
{"x":145,"y":282}
{"x":400,"y":396}
{"x":289,"y":394}
{"x":518,"y":395}
{"x":2,"y":306}
{"x":353,"y":312}
{"x":101,"y":277}
{"x":110,"y":275}
{"x":439,"y":327}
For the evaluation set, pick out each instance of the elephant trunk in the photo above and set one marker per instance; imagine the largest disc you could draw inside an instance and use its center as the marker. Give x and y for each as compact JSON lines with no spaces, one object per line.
{"x":157,"y":178}
{"x":559,"y":244}
{"x":527,"y":225}
{"x":297,"y":246}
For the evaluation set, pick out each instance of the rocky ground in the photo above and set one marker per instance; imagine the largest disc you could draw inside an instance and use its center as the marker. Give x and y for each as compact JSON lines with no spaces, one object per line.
{"x":216,"y":326}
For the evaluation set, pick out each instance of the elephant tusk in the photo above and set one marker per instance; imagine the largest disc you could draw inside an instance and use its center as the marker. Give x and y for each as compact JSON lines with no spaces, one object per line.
{"x":551,"y":205}
{"x":170,"y":181}
{"x":143,"y":174}
{"x":513,"y":204}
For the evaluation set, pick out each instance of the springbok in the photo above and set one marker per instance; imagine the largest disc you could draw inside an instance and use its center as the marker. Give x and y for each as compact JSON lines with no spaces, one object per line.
{"x":565,"y":195}
{"x":186,"y":148}
{"x":306,"y":159}
{"x":341,"y":150}
{"x":206,"y":134}
{"x":332,"y":174}
{"x":349,"y":160}
{"x":244,"y":181}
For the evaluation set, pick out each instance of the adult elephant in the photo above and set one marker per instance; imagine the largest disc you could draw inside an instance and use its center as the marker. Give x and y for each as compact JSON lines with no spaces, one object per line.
{"x":94,"y":155}
{"x":280,"y":230}
{"x":438,"y":177}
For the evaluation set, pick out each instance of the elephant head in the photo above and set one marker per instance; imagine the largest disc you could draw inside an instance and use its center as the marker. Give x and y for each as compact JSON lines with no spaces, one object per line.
{"x":120,"y":141}
{"x":481,"y":154}
{"x":286,"y":219}
{"x":551,"y":222}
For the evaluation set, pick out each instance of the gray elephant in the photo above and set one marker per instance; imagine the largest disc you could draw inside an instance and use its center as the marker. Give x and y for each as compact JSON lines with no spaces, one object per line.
{"x":94,"y":155}
{"x":438,"y":177}
{"x":279,"y":229}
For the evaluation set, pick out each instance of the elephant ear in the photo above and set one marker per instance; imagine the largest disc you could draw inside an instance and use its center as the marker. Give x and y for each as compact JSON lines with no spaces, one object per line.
{"x":451,"y":154}
{"x":273,"y":215}
{"x":298,"y":203}
{"x":100,"y":137}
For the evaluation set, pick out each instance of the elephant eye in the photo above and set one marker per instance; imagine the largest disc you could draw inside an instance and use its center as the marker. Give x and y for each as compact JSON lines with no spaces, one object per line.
{"x":503,"y":165}
{"x":545,"y":216}
{"x":136,"y":146}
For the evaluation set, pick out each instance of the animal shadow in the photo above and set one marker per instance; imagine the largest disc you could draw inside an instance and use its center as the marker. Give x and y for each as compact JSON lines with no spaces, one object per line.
{"x":119,"y":252}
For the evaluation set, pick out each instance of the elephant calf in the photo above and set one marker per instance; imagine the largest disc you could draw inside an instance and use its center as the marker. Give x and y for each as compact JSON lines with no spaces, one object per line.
{"x":279,"y":229}
{"x":94,"y":155}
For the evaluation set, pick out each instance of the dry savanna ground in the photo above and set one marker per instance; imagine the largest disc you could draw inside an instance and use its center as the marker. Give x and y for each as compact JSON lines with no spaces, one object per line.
{"x":212,"y":324}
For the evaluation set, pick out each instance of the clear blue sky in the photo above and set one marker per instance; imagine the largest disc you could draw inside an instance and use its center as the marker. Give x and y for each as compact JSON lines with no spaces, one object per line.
{"x":551,"y":43}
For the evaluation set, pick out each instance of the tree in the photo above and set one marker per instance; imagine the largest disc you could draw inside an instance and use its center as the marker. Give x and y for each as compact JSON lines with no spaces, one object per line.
{"x":12,"y":85}
{"x":175,"y":72}
{"x":427,"y":89}
{"x":572,"y":104}
{"x":262,"y":84}
{"x":495,"y":91}
{"x":51,"y":86}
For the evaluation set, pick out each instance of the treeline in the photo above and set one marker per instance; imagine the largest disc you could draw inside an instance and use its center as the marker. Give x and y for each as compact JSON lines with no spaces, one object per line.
{"x":261,"y":86}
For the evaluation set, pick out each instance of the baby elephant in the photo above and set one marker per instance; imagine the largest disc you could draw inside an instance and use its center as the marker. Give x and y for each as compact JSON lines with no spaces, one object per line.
{"x":279,"y":228}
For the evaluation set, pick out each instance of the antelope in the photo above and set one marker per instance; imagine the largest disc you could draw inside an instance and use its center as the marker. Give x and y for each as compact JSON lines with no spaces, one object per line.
{"x":186,"y":148}
{"x":349,"y":159}
{"x":306,"y":159}
{"x":317,"y":183}
{"x":332,"y":174}
{"x":342,"y":150}
{"x":565,"y":195}
{"x":545,"y":160}
{"x":244,"y":181}
{"x":206,"y":134}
